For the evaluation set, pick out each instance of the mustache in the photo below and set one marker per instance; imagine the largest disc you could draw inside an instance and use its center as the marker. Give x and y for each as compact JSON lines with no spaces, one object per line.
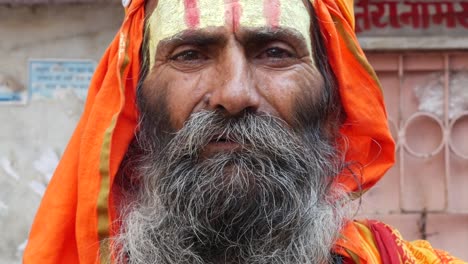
{"x":270,"y":150}
{"x":253,"y":131}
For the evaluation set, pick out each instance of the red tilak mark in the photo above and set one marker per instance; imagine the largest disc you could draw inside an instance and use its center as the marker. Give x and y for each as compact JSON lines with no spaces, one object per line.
{"x":192,"y":13}
{"x":272,"y":12}
{"x":232,"y":13}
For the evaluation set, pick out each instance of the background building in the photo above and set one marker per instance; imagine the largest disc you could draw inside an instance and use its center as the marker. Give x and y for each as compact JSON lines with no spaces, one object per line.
{"x":48,"y":49}
{"x":420,"y":52}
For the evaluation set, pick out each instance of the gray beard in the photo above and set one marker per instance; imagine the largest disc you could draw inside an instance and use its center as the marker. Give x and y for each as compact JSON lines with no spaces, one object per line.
{"x":271,"y":201}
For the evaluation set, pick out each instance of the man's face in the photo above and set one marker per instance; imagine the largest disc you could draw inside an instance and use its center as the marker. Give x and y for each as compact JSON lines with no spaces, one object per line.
{"x":233,"y":162}
{"x":232,"y":56}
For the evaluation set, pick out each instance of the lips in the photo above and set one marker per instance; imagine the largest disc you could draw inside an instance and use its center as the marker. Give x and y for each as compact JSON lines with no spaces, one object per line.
{"x":220,"y":144}
{"x":223,"y":141}
{"x":220,"y":138}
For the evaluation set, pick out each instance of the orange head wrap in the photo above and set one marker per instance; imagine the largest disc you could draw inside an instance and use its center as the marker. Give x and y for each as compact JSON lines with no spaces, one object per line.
{"x":76,"y":212}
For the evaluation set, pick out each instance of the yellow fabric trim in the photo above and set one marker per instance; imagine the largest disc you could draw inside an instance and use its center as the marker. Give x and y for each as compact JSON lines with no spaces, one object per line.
{"x":368,"y":243}
{"x":104,"y":170}
{"x":347,"y":9}
{"x":103,"y":197}
{"x":104,"y":252}
{"x":354,"y":256}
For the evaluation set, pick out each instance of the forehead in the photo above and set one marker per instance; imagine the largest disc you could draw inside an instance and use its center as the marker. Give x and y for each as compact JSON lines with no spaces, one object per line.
{"x":204,"y":13}
{"x":170,"y":17}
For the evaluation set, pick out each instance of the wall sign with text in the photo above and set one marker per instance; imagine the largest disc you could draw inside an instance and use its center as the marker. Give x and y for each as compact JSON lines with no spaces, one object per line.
{"x":56,"y":78}
{"x":411,"y":17}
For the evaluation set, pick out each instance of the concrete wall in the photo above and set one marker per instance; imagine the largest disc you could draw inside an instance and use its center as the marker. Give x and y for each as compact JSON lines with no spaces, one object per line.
{"x":33,"y":136}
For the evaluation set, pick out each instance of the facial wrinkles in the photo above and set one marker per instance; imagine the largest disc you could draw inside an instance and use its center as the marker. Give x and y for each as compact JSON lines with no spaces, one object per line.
{"x":171,"y":17}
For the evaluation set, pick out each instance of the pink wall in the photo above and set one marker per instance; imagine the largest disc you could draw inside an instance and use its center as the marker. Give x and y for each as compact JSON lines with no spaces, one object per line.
{"x":425,"y":195}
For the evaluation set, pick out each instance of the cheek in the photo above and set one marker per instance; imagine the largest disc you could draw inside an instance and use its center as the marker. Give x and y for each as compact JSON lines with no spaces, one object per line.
{"x":184,"y":93}
{"x":282,"y":89}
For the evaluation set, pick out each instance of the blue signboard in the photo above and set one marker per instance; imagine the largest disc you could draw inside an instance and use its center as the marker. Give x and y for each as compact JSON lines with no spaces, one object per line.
{"x":55,"y":78}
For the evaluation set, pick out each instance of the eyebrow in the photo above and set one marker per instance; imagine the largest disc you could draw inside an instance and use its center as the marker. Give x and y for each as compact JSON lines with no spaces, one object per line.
{"x":248,"y":37}
{"x":195,"y":37}
{"x":267,"y":34}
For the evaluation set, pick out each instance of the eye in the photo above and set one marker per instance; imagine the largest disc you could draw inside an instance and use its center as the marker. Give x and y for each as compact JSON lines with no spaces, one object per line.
{"x":277,"y":56}
{"x":276,"y":53}
{"x":189,"y":56}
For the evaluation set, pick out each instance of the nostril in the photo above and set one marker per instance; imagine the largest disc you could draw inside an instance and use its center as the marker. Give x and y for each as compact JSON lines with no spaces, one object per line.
{"x":250,"y":110}
{"x":230,"y":114}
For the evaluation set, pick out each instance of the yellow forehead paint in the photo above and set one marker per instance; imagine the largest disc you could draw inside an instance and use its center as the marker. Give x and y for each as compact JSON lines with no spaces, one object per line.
{"x":171,"y":17}
{"x":283,"y":13}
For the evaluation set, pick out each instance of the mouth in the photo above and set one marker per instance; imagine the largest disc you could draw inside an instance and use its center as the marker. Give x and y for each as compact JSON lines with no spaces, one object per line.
{"x":220,"y":144}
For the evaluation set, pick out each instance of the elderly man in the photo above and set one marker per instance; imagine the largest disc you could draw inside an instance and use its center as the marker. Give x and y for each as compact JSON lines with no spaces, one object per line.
{"x":258,"y":121}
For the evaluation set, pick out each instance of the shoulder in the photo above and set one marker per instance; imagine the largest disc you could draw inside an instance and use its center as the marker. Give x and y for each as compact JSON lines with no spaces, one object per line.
{"x":370,"y":241}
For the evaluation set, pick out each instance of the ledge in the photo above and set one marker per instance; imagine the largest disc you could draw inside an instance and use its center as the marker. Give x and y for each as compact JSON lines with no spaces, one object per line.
{"x":414,"y":43}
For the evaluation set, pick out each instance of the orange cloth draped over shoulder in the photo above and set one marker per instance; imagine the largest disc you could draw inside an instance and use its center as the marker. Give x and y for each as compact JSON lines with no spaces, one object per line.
{"x":374,"y":242}
{"x":77,"y":211}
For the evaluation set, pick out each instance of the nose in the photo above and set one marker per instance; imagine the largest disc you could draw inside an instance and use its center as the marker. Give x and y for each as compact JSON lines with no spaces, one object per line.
{"x":235,"y":91}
